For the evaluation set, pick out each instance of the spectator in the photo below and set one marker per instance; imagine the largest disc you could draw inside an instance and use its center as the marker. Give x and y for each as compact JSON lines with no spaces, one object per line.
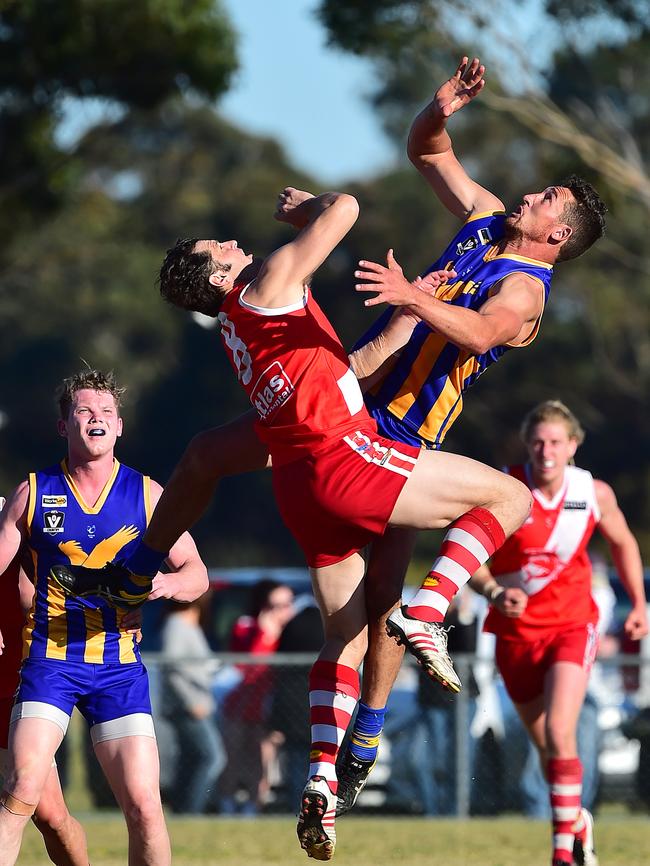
{"x":436,"y":768}
{"x":189,"y":705}
{"x":249,"y":747}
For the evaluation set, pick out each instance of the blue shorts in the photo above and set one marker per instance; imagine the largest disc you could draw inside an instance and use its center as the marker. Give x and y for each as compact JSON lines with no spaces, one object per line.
{"x":392,"y":428}
{"x":102,"y":693}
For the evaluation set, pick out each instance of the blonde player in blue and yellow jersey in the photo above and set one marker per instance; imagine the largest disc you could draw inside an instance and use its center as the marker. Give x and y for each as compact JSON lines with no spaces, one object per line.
{"x":78,"y":652}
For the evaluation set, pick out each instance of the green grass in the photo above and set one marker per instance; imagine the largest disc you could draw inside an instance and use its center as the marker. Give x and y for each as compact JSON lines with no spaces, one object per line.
{"x":622,"y":841}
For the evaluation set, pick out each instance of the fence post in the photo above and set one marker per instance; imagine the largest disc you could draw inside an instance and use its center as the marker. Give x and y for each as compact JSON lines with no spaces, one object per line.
{"x":462,"y":723}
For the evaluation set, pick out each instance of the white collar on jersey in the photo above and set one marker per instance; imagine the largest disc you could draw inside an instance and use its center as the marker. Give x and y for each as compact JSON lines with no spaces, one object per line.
{"x":549,"y":504}
{"x":273,"y":311}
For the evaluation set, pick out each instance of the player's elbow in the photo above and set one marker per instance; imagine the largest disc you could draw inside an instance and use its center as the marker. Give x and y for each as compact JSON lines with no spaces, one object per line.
{"x":348,"y":206}
{"x":200,"y":582}
{"x":477,"y":344}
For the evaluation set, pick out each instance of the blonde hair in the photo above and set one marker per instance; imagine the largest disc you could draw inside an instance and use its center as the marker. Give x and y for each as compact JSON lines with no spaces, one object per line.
{"x":552,"y":410}
{"x":94,"y":380}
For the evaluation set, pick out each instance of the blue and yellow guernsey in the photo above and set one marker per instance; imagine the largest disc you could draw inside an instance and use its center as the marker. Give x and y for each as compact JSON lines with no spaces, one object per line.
{"x":62,"y":528}
{"x":422,"y":395}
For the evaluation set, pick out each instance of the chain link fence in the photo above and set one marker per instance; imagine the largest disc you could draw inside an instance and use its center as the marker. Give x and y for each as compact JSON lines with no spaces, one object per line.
{"x":441,"y":754}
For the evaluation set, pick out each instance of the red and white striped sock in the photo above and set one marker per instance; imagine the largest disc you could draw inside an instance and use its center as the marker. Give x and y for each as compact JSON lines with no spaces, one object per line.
{"x":565,"y":781}
{"x":470,"y":542}
{"x":333,"y":696}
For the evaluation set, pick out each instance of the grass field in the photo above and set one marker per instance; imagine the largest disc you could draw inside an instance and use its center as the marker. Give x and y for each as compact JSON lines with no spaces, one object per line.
{"x":622,"y":841}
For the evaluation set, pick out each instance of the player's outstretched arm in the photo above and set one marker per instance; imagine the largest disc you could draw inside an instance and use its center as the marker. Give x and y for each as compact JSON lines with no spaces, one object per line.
{"x":322,"y":222}
{"x":371,"y":361}
{"x":430,"y":150}
{"x":626,"y":556}
{"x":188,"y":578}
{"x":507,"y":318}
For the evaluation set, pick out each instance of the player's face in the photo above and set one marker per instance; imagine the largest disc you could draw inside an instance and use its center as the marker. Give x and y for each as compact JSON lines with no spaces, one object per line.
{"x":538,"y":217}
{"x":226,"y":253}
{"x":93,"y":424}
{"x":550,"y":448}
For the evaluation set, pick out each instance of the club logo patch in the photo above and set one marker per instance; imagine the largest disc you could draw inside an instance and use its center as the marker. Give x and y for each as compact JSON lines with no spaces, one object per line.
{"x":431,"y":580}
{"x":54,"y":501}
{"x":484,"y":236}
{"x":53,"y":522}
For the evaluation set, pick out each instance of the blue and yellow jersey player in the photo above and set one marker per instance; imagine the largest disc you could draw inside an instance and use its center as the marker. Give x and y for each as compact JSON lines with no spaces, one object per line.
{"x":421,"y":396}
{"x":429,"y":347}
{"x":79,"y":652}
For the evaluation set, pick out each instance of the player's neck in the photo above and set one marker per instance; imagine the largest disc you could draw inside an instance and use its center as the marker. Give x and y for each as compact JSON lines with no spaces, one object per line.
{"x":520,"y":246}
{"x":90,"y":475}
{"x":548,"y":487}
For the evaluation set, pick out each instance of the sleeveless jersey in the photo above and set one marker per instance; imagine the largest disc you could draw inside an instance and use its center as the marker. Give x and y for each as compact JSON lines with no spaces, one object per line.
{"x":63,"y":529}
{"x":547,"y":558}
{"x":423,"y":391}
{"x":12,"y":619}
{"x":296,"y":373}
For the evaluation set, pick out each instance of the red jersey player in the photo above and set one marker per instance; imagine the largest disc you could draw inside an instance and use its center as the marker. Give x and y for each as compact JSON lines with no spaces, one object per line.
{"x":543,"y":614}
{"x":337,"y":482}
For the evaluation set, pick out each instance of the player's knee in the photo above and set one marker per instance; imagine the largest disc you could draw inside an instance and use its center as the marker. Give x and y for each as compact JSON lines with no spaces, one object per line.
{"x":202,"y":458}
{"x":519,"y":497}
{"x":560,"y":739}
{"x":23,"y":785}
{"x":50,"y":819}
{"x":143,"y":811}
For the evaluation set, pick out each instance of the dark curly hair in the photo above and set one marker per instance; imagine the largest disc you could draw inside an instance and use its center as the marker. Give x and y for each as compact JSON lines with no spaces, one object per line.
{"x":185,"y":278}
{"x":94,"y":380}
{"x":585,"y":215}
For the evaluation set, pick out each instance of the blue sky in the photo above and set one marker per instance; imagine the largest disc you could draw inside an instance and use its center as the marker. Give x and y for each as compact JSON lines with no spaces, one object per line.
{"x":308,"y":96}
{"x":313,"y":99}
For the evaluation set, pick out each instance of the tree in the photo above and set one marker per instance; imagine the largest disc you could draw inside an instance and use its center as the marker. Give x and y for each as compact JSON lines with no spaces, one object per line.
{"x":132,"y":52}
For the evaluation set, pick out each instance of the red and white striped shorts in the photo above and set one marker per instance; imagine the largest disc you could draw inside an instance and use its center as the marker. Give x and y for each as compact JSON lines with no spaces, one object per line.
{"x":337,"y":500}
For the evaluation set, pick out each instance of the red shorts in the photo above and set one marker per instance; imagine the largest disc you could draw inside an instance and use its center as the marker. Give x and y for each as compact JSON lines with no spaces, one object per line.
{"x":337,"y":500}
{"x":6,"y":705}
{"x":524,"y":664}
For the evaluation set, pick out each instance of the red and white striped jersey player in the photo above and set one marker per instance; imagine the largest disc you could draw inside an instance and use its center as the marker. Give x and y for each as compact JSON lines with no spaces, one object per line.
{"x":337,"y":482}
{"x":543,"y":613}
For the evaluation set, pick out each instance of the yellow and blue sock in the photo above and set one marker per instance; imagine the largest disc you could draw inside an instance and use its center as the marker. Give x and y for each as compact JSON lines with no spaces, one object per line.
{"x":364,"y":739}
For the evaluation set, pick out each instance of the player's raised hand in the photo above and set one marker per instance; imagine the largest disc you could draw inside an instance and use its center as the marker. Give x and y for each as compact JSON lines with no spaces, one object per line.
{"x":287,"y":208}
{"x":391,"y":284}
{"x":466,"y":83}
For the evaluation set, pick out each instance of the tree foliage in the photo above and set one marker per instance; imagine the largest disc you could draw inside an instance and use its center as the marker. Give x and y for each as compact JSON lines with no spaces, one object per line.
{"x":136,"y":53}
{"x":84,"y":232}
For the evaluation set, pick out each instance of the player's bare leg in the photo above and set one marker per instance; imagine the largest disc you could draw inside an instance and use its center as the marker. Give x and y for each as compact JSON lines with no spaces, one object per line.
{"x":132,"y":769}
{"x":232,"y":449}
{"x":32,"y":745}
{"x":551,"y":721}
{"x":214,"y":454}
{"x":485,"y":507}
{"x":333,"y":694}
{"x":63,"y":835}
{"x":387,"y":564}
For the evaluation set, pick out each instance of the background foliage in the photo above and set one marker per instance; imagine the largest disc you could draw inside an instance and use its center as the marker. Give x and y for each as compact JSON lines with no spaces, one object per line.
{"x":83,"y":228}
